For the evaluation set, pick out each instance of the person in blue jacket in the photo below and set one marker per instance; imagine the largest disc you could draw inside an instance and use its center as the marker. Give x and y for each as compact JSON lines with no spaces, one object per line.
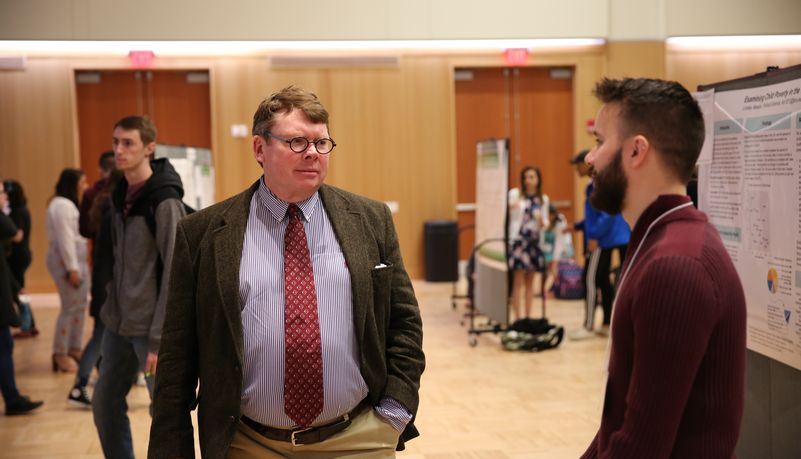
{"x":603,"y":234}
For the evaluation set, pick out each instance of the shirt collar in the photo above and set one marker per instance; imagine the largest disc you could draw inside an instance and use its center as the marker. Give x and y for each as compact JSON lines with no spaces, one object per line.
{"x":277,"y":207}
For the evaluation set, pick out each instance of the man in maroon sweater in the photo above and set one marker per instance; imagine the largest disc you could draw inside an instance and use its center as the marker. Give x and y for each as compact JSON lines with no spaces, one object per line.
{"x":677,"y":354}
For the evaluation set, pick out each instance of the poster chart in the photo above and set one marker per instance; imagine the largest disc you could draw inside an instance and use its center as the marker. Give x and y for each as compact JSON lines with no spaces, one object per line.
{"x":750,"y":191}
{"x":196,"y":169}
{"x":492,"y":172}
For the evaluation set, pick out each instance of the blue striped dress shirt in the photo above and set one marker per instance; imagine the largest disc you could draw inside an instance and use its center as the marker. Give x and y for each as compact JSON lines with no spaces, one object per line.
{"x":261,"y":292}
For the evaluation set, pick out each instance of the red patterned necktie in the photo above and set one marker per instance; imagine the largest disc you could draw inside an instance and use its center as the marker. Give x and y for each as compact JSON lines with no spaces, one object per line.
{"x":303,"y":355}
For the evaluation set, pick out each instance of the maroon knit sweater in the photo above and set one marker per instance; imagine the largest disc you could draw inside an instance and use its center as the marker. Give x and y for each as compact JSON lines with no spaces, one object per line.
{"x":677,"y":363}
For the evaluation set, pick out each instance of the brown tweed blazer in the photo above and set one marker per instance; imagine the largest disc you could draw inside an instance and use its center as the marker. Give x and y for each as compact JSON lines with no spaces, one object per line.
{"x":202,"y":337}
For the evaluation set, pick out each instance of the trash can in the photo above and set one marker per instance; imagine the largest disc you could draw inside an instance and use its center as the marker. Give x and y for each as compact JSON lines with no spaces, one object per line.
{"x":441,"y":240}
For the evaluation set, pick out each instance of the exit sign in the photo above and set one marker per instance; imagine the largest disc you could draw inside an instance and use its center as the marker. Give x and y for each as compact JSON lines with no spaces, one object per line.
{"x":515,"y":56}
{"x":141,"y":59}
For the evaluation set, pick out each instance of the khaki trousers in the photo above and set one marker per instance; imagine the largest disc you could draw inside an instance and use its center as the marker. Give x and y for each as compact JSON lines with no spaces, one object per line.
{"x":368,"y":436}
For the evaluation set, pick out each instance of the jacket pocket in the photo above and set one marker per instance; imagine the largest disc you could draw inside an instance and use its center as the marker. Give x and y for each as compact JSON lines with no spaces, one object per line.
{"x":382,"y":293}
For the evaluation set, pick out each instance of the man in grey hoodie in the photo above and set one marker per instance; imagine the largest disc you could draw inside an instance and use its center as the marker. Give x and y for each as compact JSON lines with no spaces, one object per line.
{"x":146,"y":208}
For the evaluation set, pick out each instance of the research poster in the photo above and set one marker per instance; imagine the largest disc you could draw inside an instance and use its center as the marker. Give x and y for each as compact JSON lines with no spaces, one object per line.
{"x":750,"y":191}
{"x":491,"y":190}
{"x":492,"y":171}
{"x":196,"y":169}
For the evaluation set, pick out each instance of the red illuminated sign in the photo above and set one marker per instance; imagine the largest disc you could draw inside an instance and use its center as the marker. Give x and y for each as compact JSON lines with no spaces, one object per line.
{"x":515,"y":56}
{"x":141,"y":59}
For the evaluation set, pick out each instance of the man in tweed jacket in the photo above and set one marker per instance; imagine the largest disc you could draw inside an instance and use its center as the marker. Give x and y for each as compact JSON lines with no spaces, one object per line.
{"x":224,"y":326}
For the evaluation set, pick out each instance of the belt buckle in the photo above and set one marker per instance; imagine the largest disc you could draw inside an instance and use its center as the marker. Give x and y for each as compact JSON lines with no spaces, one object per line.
{"x":292,"y":438}
{"x":294,"y":441}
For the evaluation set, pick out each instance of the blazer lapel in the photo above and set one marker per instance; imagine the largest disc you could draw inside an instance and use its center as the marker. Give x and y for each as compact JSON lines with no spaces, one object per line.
{"x":354,"y":241}
{"x":229,"y":239}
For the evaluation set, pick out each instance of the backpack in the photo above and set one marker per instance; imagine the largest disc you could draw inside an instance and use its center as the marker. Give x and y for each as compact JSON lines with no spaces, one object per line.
{"x":569,"y":281}
{"x":532,"y":335}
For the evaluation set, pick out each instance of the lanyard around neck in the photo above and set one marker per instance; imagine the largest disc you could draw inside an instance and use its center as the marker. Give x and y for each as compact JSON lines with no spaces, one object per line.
{"x":620,"y":287}
{"x":639,"y":246}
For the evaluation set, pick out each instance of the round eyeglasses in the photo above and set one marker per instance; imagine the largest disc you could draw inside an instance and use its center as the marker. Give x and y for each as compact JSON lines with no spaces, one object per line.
{"x":301,"y":144}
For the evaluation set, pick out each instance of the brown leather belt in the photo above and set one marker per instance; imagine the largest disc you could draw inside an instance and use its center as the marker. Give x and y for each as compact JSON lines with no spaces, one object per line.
{"x":309,"y":435}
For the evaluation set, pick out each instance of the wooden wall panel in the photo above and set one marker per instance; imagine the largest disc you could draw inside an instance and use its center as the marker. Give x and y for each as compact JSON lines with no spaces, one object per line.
{"x":392,"y":127}
{"x":237,"y":87}
{"x":692,"y":68}
{"x":233,"y":91}
{"x":367,"y":136}
{"x":426,"y":186}
{"x":588,"y":67}
{"x":100,"y":103}
{"x":37,"y":140}
{"x":636,"y":59}
{"x":544,"y":134}
{"x":483,"y":111}
{"x":179,"y":107}
{"x":395,"y":127}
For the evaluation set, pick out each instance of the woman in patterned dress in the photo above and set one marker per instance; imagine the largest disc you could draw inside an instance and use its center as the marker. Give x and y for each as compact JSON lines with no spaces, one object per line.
{"x":67,"y":264}
{"x":527,"y":217}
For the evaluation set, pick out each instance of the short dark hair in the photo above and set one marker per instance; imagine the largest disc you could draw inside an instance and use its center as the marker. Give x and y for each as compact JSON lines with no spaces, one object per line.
{"x":284,"y":101}
{"x":106,"y":161}
{"x":147,"y":130}
{"x":67,"y":185}
{"x":579,"y":158}
{"x":664,"y":112}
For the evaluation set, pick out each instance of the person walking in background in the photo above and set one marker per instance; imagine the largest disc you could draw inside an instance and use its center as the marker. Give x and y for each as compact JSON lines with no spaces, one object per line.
{"x":676,"y":370}
{"x":583,"y":170}
{"x":68,"y":266}
{"x":612,"y":233}
{"x":90,"y":222}
{"x":105,"y":166}
{"x":146,"y":207}
{"x":9,"y":288}
{"x":98,"y":224}
{"x":19,"y":256}
{"x":528,"y":215}
{"x":556,"y":245}
{"x":603,"y":234}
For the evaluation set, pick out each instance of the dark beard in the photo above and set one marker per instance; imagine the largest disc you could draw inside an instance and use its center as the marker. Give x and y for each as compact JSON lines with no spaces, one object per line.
{"x":610,"y":186}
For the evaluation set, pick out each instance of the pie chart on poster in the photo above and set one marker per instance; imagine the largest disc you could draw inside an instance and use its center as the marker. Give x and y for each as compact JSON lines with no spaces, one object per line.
{"x":773,"y":280}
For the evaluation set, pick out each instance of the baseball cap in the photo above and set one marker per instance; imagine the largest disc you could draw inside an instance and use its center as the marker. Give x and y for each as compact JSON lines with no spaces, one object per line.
{"x":579,"y":158}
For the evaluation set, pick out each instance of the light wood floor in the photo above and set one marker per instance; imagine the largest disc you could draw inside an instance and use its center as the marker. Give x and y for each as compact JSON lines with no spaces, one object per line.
{"x":476,"y":402}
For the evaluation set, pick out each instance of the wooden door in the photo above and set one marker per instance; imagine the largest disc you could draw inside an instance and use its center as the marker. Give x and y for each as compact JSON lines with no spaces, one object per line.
{"x":103,"y":98}
{"x":482,"y":112}
{"x":177,"y":101}
{"x":181,"y":107}
{"x":543,"y":131}
{"x":533,"y":108}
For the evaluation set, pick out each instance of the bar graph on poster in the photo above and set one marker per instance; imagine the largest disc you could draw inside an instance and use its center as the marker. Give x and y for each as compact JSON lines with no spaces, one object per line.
{"x":750,"y":188}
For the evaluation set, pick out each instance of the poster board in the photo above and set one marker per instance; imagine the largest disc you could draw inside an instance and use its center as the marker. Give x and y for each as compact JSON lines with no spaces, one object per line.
{"x":196,"y":169}
{"x":492,"y":172}
{"x":750,"y":191}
